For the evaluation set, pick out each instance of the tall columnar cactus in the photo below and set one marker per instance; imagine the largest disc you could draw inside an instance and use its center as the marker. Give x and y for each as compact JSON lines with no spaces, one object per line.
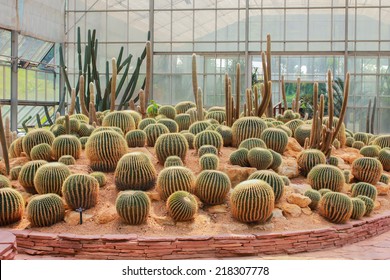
{"x":113,"y":84}
{"x":14,"y":173}
{"x":369,"y":203}
{"x":326,"y":176}
{"x":173,"y":161}
{"x":366,"y":189}
{"x":4,"y":182}
{"x":314,"y":196}
{"x":247,"y":127}
{"x":384,"y":158}
{"x":367,"y":170}
{"x":42,"y":151}
{"x":307,"y":159}
{"x":336,"y":207}
{"x":136,"y":138}
{"x":153,"y":132}
{"x":239,"y":157}
{"x":212,"y":186}
{"x":36,"y":137}
{"x":209,"y":162}
{"x":275,"y":139}
{"x":183,"y":106}
{"x":226,"y":133}
{"x":183,"y":121}
{"x":175,"y":178}
{"x":45,"y":210}
{"x":273,"y":179}
{"x":361,"y":136}
{"x":11,"y":205}
{"x":172,"y":126}
{"x":260,"y":158}
{"x":67,"y":160}
{"x":171,"y":144}
{"x":66,"y":145}
{"x":119,"y":119}
{"x":302,"y":132}
{"x":167,"y":110}
{"x":100,"y":177}
{"x":104,"y":149}
{"x":252,"y":201}
{"x":49,"y":178}
{"x":358,"y":208}
{"x":208,"y":137}
{"x":194,"y":78}
{"x":251,"y":143}
{"x":135,"y":171}
{"x":27,"y":174}
{"x":133,"y":207}
{"x":80,"y":191}
{"x":199,"y":104}
{"x":382,"y":141}
{"x":207,"y":149}
{"x":182,"y":206}
{"x":145,"y":122}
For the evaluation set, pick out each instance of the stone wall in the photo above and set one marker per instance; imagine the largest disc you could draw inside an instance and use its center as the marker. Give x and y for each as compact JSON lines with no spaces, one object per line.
{"x":8,"y":249}
{"x":131,"y":246}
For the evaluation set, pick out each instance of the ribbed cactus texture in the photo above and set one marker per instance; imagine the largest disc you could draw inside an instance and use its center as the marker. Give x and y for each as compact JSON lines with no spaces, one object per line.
{"x":74,"y":125}
{"x":4,"y":182}
{"x":45,"y":210}
{"x":285,"y":129}
{"x":50,"y":177}
{"x":80,"y":117}
{"x":135,"y":171}
{"x":183,"y":121}
{"x":11,"y":205}
{"x":67,"y":160}
{"x":384,"y":158}
{"x":184,"y":106}
{"x":277,"y":160}
{"x":145,"y":122}
{"x":14,"y":173}
{"x":27,"y":174}
{"x":153,"y":131}
{"x":326,"y":176}
{"x":333,"y":161}
{"x":367,"y":170}
{"x":109,"y":128}
{"x":208,"y":162}
{"x":136,"y":116}
{"x":341,"y":135}
{"x":16,"y":148}
{"x":314,"y":196}
{"x":171,"y":144}
{"x":168,"y":111}
{"x":41,"y":151}
{"x":366,"y":189}
{"x":133,"y":207}
{"x":384,"y":179}
{"x":302,"y":132}
{"x":307,"y":159}
{"x":207,"y":149}
{"x":286,"y":180}
{"x":324,"y":191}
{"x":239,"y":157}
{"x":172,"y":126}
{"x":252,"y":201}
{"x":58,"y":129}
{"x":104,"y":149}
{"x":208,"y":137}
{"x":369,"y":204}
{"x":260,"y":158}
{"x":212,"y":187}
{"x":226,"y":133}
{"x":119,"y":119}
{"x":358,"y":145}
{"x":219,"y":116}
{"x":336,"y":144}
{"x":175,"y":178}
{"x":273,"y":179}
{"x":247,"y":127}
{"x":198,"y":127}
{"x":293,"y":125}
{"x":275,"y":139}
{"x":85,"y":130}
{"x":83,"y":141}
{"x":182,"y":206}
{"x":251,"y":143}
{"x":358,"y":208}
{"x":336,"y":207}
{"x":347,"y":175}
{"x":66,"y":145}
{"x":136,"y":138}
{"x":382,"y":141}
{"x":100,"y":177}
{"x":80,"y":191}
{"x":370,"y":151}
{"x":349,"y":142}
{"x":173,"y":161}
{"x":36,"y":137}
{"x":360,"y":136}
{"x":190,"y":139}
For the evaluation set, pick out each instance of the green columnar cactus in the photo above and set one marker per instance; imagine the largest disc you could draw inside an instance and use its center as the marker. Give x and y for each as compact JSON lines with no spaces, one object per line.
{"x":220,"y":116}
{"x":324,"y":191}
{"x":173,"y":161}
{"x":369,"y":203}
{"x":347,"y":175}
{"x":212,"y":187}
{"x":226,"y":133}
{"x":302,"y":132}
{"x":175,"y":178}
{"x":209,"y":162}
{"x":358,"y":145}
{"x":36,"y":137}
{"x":66,"y":145}
{"x":293,"y":125}
{"x":251,"y":143}
{"x":119,"y":119}
{"x":42,"y":151}
{"x":4,"y":182}
{"x":50,"y":177}
{"x":382,"y":141}
{"x":275,"y":139}
{"x":145,"y":122}
{"x":326,"y":176}
{"x":307,"y":159}
{"x":207,"y":149}
{"x":45,"y":210}
{"x":27,"y":174}
{"x":190,"y":139}
{"x":80,"y":191}
{"x":208,"y":137}
{"x":198,"y":127}
{"x":170,"y":124}
{"x":286,"y":180}
{"x":252,"y":201}
{"x":360,"y":136}
{"x":135,"y":171}
{"x":133,"y":207}
{"x":183,"y":121}
{"x":273,"y":179}
{"x":100,"y":177}
{"x":384,"y":179}
{"x":358,"y":208}
{"x":14,"y":173}
{"x":314,"y":196}
{"x":285,"y":129}
{"x":239,"y":157}
{"x":153,"y":131}
{"x":136,"y":138}
{"x":333,"y":161}
{"x":367,"y":170}
{"x":11,"y":205}
{"x":366,"y":189}
{"x":16,"y":148}
{"x":260,"y":158}
{"x":384,"y":158}
{"x":104,"y":149}
{"x":349,"y":142}
{"x":182,"y":206}
{"x":108,"y":128}
{"x":341,"y":135}
{"x":67,"y":160}
{"x":184,"y":106}
{"x":85,"y":130}
{"x":58,"y":129}
{"x":168,"y":111}
{"x":247,"y":127}
{"x":336,"y":207}
{"x":171,"y":144}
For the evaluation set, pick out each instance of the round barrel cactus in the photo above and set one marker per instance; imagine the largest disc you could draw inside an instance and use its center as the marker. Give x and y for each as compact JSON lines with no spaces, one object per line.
{"x":133,"y":207}
{"x":119,"y":119}
{"x":307,"y":159}
{"x":184,"y":106}
{"x":58,"y":129}
{"x":260,"y":158}
{"x":80,"y":117}
{"x":153,"y":132}
{"x":349,"y":141}
{"x":212,"y":187}
{"x":14,"y":172}
{"x":27,"y":174}
{"x":358,"y":145}
{"x":302,"y":132}
{"x":286,"y":180}
{"x":41,"y":151}
{"x":183,"y":121}
{"x":16,"y":148}
{"x":384,"y":179}
{"x":367,"y":170}
{"x":207,"y":149}
{"x":145,"y":122}
{"x":50,"y":177}
{"x":293,"y":125}
{"x":277,"y":160}
{"x":182,"y":206}
{"x":314,"y":196}
{"x":384,"y":158}
{"x":4,"y":182}
{"x":347,"y":174}
{"x":226,"y":133}
{"x":74,"y":126}
{"x":251,"y":143}
{"x":67,"y":160}
{"x":370,"y":151}
{"x":336,"y":207}
{"x":11,"y":205}
{"x":199,"y":126}
{"x":366,"y":189}
{"x":220,"y":116}
{"x":333,"y":161}
{"x":208,"y":137}
{"x":369,"y":203}
{"x":136,"y":116}
{"x":273,"y":179}
{"x":171,"y":144}
{"x":239,"y":157}
{"x":275,"y":139}
{"x":83,"y":141}
{"x":80,"y":191}
{"x":175,"y":178}
{"x":135,"y":138}
{"x":326,"y":176}
{"x":324,"y":191}
{"x":172,"y":126}
{"x":190,"y":139}
{"x":45,"y":210}
{"x":173,"y":161}
{"x":209,"y":162}
{"x":66,"y":145}
{"x":247,"y":127}
{"x":168,"y":111}
{"x":285,"y":129}
{"x":100,"y":177}
{"x":382,"y":141}
{"x":85,"y":130}
{"x":108,"y":128}
{"x":358,"y":208}
{"x":361,"y":136}
{"x":36,"y":137}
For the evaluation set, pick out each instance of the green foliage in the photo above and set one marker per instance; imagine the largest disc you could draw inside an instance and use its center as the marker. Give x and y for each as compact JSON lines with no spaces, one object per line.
{"x":152,"y":109}
{"x":367,"y":170}
{"x":212,"y":186}
{"x":326,"y":176}
{"x":11,"y":205}
{"x":50,"y":177}
{"x":45,"y":210}
{"x":182,"y":206}
{"x":336,"y":207}
{"x":80,"y":191}
{"x":175,"y":178}
{"x":133,"y":207}
{"x":273,"y":179}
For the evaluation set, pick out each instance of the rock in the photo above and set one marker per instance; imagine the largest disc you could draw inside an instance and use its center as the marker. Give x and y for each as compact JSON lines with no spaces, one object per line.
{"x":298,"y":199}
{"x":200,"y":203}
{"x":300,"y":188}
{"x":106,"y":215}
{"x":277,"y":214}
{"x":72,"y":218}
{"x":235,"y":227}
{"x":377,"y":205}
{"x":163,"y":220}
{"x":154,"y":195}
{"x":265,"y":227}
{"x":347,"y":154}
{"x":26,"y":196}
{"x":237,"y":174}
{"x":291,"y":210}
{"x":306,"y":211}
{"x":293,"y":148}
{"x":382,"y":188}
{"x":222,"y":208}
{"x":289,"y":167}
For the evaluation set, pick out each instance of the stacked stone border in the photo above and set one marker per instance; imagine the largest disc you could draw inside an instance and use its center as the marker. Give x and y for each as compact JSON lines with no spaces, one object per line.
{"x":8,"y":248}
{"x":131,"y":246}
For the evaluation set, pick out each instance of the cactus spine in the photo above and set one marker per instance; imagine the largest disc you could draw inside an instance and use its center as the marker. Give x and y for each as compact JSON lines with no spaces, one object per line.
{"x":182,"y":206}
{"x":11,"y":205}
{"x":212,"y":187}
{"x":175,"y":178}
{"x":133,"y":207}
{"x":45,"y":210}
{"x":273,"y":179}
{"x":326,"y":176}
{"x":365,"y":189}
{"x":260,"y":158}
{"x":80,"y":191}
{"x":368,"y":170}
{"x":336,"y":207}
{"x":172,"y":144}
